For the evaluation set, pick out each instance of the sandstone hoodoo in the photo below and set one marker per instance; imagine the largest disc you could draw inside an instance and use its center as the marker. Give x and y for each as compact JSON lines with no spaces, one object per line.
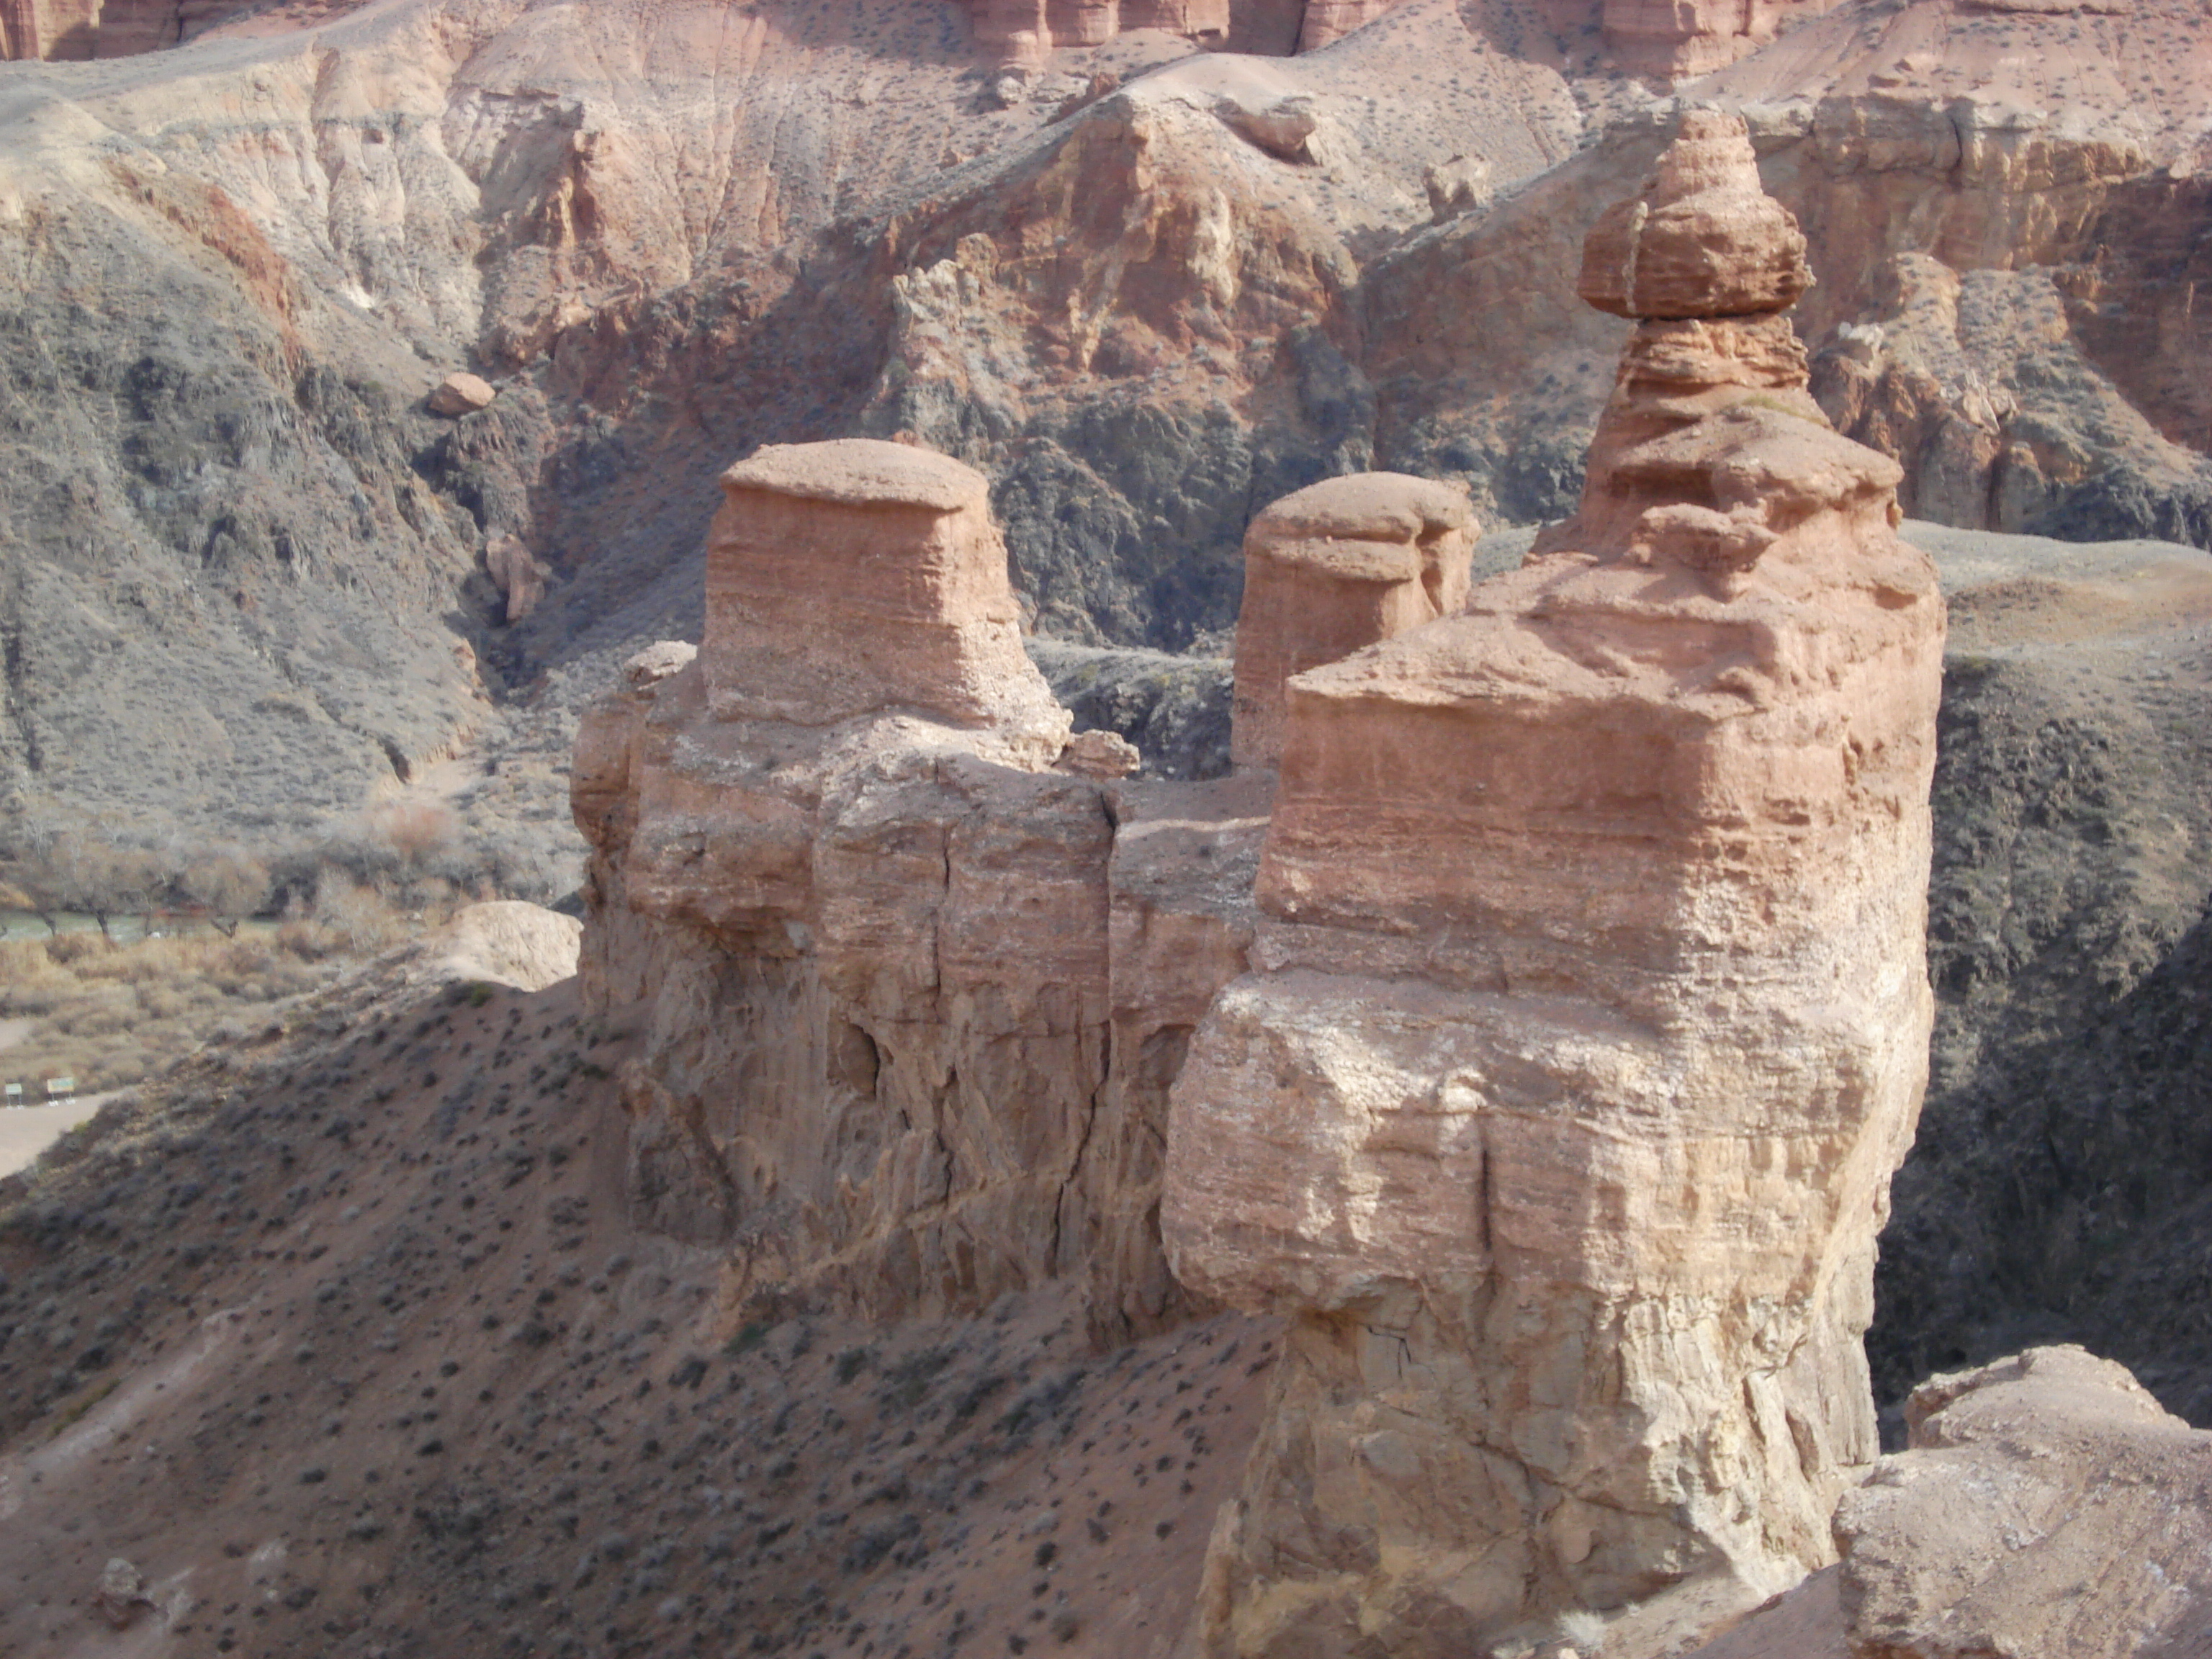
{"x":854,"y":577}
{"x":914,"y":970}
{"x":1588,"y":1020}
{"x":1339,"y":565}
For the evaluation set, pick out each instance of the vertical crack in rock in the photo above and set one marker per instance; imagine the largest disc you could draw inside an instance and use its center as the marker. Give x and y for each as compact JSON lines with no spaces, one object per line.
{"x":1667,"y":782}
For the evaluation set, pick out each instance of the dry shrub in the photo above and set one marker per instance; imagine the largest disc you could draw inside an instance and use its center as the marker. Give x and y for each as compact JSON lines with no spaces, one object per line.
{"x":357,"y":915}
{"x":417,"y":830}
{"x":71,"y":949}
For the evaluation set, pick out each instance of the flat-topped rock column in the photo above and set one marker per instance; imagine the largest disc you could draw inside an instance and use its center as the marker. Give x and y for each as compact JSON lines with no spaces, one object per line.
{"x":1332,"y":567}
{"x":1588,"y":1021}
{"x":855,"y":577}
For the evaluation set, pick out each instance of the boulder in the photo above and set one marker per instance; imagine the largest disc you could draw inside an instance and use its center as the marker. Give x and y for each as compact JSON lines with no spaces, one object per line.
{"x":460,"y":393}
{"x":1703,"y":239}
{"x":2047,"y":1507}
{"x":1336,"y":565}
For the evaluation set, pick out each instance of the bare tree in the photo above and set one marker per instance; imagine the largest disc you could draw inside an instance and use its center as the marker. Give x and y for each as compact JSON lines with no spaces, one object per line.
{"x":231,"y":885}
{"x":75,"y":869}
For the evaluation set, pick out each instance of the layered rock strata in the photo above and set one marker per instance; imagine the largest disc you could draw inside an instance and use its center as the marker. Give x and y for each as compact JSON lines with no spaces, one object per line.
{"x":1024,"y":33}
{"x":908,"y":974}
{"x":1334,"y":567}
{"x":856,"y":577}
{"x":1588,"y":1017}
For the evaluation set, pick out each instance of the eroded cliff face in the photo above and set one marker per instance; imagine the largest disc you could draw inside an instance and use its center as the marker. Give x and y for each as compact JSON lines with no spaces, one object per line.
{"x":1589,"y":1015}
{"x":912,"y":969}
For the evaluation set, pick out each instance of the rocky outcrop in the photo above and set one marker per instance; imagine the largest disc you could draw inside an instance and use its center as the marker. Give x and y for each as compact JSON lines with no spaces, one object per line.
{"x":29,"y":29}
{"x":1673,"y":40}
{"x":1332,"y":567}
{"x":1588,"y":1020}
{"x":78,"y":29}
{"x":1023,"y":33}
{"x":910,"y":993}
{"x":2047,"y":1507}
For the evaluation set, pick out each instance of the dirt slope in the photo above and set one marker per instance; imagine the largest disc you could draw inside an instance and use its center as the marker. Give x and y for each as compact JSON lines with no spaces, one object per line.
{"x":339,"y":1339}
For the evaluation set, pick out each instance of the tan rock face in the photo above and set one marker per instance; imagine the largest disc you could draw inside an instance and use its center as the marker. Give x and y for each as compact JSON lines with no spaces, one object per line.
{"x":1705,"y":239}
{"x":460,"y":394}
{"x":1589,"y":1019}
{"x":515,"y":570}
{"x":888,"y":551}
{"x":1679,"y":38}
{"x":914,"y":972}
{"x":2047,"y":1506}
{"x":1023,"y":33}
{"x":1336,"y":565}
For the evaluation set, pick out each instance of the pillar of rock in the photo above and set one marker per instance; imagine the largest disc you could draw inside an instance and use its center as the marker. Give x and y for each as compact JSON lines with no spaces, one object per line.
{"x":1588,"y":1019}
{"x":1339,"y":565}
{"x":883,"y":553}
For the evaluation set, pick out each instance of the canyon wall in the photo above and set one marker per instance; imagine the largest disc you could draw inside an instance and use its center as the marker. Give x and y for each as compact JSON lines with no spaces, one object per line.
{"x":1588,"y":1016}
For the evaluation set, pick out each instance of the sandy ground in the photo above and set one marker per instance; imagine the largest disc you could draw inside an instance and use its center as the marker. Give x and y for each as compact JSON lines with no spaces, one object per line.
{"x":26,"y":1131}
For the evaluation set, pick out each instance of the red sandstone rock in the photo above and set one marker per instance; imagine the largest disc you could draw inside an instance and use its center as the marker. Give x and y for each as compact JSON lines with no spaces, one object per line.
{"x":1588,"y":1019}
{"x":1339,"y":565}
{"x":856,"y":577}
{"x":1703,"y":239}
{"x":1677,"y":39}
{"x":913,"y":997}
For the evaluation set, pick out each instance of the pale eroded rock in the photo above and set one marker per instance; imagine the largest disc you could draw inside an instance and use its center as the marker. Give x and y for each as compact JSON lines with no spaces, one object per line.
{"x":460,"y":393}
{"x":1589,"y":1019}
{"x":2048,"y":1508}
{"x":1336,"y":565}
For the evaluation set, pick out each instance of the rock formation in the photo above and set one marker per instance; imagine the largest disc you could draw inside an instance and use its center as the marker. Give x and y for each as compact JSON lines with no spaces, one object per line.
{"x":78,"y":29}
{"x":29,"y":29}
{"x":1588,"y":1017}
{"x":1332,"y":567}
{"x":2047,"y":1505}
{"x":913,"y":971}
{"x":888,"y":551}
{"x":1677,"y":39}
{"x":1023,"y":33}
{"x":460,"y":393}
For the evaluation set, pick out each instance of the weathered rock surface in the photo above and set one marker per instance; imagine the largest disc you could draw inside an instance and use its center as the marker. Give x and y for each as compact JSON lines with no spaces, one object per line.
{"x":460,"y":393}
{"x":1330,"y":568}
{"x":1587,"y":1024}
{"x":1680,"y":37}
{"x":2048,"y":1506}
{"x":912,"y":994}
{"x":890,"y":551}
